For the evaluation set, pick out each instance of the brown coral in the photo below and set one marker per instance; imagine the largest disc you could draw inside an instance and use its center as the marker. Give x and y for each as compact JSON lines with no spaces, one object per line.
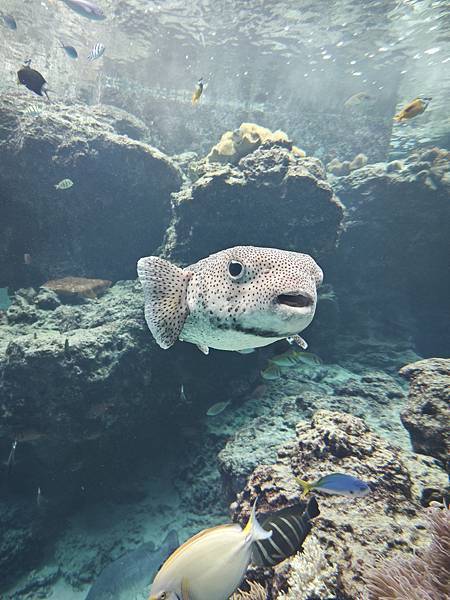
{"x":425,"y":577}
{"x":78,"y":287}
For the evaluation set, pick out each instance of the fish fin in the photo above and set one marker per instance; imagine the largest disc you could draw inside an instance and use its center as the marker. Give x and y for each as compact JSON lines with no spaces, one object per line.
{"x":253,"y":530}
{"x":246,"y":351}
{"x":306,"y":487}
{"x":185,"y":589}
{"x":312,"y":508}
{"x":203,"y":349}
{"x":165,"y":287}
{"x":297,"y":339}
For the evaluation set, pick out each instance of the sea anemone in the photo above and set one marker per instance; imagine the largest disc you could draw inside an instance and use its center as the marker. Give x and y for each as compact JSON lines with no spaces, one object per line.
{"x":424,"y":577}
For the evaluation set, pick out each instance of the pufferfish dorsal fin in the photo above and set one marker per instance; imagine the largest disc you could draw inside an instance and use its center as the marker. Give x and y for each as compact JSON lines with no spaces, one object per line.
{"x":165,"y":286}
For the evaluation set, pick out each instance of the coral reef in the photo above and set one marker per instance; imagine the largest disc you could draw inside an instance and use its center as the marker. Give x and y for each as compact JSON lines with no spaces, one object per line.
{"x":351,"y":534}
{"x":256,"y":592}
{"x":300,"y":210}
{"x":88,"y":231}
{"x":310,"y":574}
{"x":352,"y":386}
{"x":234,"y":145}
{"x":421,"y":577}
{"x":426,"y":415}
{"x":340,"y":168}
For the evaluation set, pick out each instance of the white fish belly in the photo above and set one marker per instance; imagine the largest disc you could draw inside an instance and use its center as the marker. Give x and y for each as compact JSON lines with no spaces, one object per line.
{"x":213,"y":566}
{"x":200,"y":333}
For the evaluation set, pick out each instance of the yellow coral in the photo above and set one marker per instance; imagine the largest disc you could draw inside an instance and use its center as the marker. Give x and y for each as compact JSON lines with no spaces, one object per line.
{"x":298,"y":151}
{"x":233,"y":145}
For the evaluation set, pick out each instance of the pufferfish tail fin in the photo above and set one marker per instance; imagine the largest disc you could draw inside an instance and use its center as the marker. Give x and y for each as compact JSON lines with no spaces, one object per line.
{"x":165,"y":287}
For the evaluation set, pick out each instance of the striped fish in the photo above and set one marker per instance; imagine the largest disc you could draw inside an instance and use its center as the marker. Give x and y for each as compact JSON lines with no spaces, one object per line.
{"x":290,"y":527}
{"x":96,"y":52}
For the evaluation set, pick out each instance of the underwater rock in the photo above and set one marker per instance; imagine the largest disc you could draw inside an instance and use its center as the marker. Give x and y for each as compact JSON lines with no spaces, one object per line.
{"x":116,"y":211}
{"x":353,"y":534}
{"x":77,"y":287}
{"x":84,"y":386}
{"x":427,"y":413}
{"x":364,"y":391}
{"x":358,"y":162}
{"x":394,"y":250}
{"x":223,"y":207}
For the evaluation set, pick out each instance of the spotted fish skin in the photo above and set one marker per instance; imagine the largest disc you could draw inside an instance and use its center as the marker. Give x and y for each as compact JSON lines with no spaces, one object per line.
{"x":239,"y":298}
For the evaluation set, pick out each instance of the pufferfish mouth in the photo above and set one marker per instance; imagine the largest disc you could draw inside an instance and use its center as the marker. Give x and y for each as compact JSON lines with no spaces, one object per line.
{"x":302,"y":300}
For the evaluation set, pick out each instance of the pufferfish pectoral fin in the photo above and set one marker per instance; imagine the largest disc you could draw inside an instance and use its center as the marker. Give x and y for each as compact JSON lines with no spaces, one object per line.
{"x":298,"y":340}
{"x":165,"y":288}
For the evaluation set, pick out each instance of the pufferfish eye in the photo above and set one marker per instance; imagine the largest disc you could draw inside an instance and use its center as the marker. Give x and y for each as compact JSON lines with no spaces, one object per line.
{"x":235,"y":269}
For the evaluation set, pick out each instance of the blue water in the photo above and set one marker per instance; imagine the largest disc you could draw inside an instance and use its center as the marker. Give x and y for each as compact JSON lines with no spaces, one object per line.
{"x":319,"y":128}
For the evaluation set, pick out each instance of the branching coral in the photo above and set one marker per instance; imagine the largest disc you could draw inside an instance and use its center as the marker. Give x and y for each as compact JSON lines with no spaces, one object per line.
{"x":311,"y":575}
{"x":425,"y":577}
{"x":256,"y":592}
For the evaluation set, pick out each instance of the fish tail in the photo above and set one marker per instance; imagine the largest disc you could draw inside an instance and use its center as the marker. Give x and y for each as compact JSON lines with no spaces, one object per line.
{"x":194,"y":99}
{"x":253,"y":530}
{"x":306,"y":487}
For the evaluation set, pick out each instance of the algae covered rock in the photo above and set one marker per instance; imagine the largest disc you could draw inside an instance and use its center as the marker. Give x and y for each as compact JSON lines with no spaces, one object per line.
{"x":273,"y":197}
{"x":352,"y":534}
{"x":116,"y":211}
{"x":426,"y":415}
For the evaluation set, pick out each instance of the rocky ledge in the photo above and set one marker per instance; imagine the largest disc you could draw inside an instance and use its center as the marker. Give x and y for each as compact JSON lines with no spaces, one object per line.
{"x":273,"y":196}
{"x":352,"y":535}
{"x":116,"y":211}
{"x":426,"y":415}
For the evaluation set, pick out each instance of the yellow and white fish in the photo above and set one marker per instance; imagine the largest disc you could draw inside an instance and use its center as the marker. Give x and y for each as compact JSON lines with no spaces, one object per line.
{"x":211,"y":565}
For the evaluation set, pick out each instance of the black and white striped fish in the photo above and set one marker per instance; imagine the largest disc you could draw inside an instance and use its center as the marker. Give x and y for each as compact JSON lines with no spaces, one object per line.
{"x":290,"y":527}
{"x":96,"y":52}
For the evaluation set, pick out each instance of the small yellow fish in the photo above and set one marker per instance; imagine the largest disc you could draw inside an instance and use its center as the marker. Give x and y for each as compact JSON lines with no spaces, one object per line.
{"x":198,"y":91}
{"x":64,"y":184}
{"x":412,"y":109}
{"x":210,"y":565}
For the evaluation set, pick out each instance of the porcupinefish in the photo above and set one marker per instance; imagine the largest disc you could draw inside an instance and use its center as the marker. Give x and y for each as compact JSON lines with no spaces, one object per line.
{"x":239,"y":298}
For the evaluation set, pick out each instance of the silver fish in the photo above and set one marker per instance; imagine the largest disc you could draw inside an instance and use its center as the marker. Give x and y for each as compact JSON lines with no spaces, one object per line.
{"x":96,"y":52}
{"x":64,"y":184}
{"x":217,"y":408}
{"x":9,"y":21}
{"x":86,"y":9}
{"x":130,"y":574}
{"x":69,"y":50}
{"x":243,"y":297}
{"x":33,"y":110}
{"x":11,"y":458}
